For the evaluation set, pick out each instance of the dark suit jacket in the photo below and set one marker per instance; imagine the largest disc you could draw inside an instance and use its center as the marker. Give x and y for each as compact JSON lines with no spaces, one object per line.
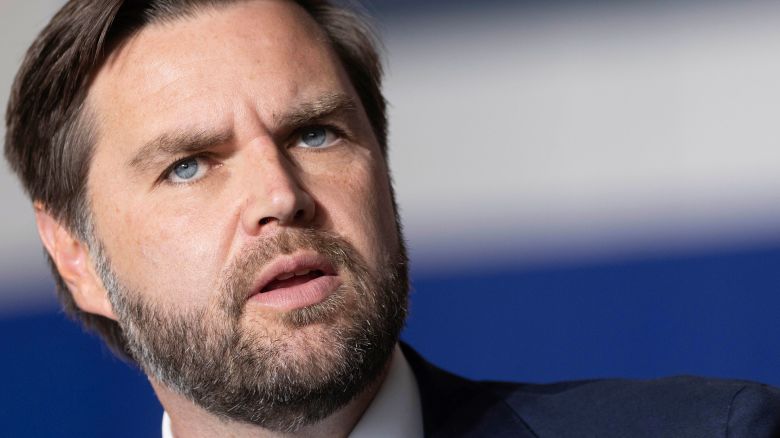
{"x":669,"y":407}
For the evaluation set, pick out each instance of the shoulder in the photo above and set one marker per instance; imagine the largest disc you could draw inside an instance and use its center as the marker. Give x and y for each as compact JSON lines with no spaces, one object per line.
{"x":683,"y":406}
{"x":675,"y":406}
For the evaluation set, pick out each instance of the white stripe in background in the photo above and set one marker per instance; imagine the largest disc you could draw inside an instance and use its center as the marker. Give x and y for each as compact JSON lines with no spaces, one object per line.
{"x":585,"y":131}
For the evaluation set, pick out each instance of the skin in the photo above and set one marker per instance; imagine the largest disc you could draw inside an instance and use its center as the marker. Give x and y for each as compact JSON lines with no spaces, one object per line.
{"x":235,"y":71}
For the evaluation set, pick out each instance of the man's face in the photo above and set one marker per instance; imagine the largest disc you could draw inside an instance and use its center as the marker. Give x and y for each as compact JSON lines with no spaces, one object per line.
{"x":233,"y":152}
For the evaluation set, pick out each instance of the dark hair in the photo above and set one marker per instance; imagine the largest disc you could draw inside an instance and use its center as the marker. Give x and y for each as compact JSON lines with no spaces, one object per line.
{"x":50,"y":138}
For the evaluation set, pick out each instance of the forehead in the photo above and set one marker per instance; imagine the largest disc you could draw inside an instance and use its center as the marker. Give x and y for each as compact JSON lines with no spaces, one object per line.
{"x":264,"y":54}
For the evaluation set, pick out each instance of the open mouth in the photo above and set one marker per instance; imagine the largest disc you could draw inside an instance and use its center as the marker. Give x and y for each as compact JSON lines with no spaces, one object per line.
{"x":291,"y":279}
{"x":295,"y":281}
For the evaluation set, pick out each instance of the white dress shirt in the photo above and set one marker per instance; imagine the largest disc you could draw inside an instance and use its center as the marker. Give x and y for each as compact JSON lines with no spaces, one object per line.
{"x":395,"y":411}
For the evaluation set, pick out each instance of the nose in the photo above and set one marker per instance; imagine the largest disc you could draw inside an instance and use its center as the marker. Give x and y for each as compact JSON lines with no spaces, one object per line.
{"x":276,"y":196}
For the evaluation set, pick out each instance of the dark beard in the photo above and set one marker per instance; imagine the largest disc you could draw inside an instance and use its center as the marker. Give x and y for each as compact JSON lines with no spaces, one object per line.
{"x":278,"y":381}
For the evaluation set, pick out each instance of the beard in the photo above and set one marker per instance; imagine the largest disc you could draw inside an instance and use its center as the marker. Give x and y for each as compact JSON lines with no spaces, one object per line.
{"x":305,"y":365}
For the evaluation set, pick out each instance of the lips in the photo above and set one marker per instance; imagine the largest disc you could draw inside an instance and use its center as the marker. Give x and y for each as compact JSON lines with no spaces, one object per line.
{"x":290,"y":279}
{"x":295,"y":281}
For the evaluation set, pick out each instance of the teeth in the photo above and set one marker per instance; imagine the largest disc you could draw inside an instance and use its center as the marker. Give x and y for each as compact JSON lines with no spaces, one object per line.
{"x":287,"y":275}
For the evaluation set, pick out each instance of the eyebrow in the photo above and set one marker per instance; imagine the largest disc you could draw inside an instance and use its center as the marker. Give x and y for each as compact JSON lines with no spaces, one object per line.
{"x":176,"y":143}
{"x":187,"y":142}
{"x":308,"y":112}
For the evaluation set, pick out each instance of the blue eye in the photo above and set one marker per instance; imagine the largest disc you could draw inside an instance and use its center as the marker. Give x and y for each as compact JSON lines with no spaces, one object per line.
{"x":314,"y":137}
{"x":317,"y":137}
{"x":187,"y":170}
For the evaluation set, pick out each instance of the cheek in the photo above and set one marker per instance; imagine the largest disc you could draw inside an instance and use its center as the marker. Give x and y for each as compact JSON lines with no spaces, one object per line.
{"x":387,"y":230}
{"x":358,"y":203}
{"x":169,"y":256}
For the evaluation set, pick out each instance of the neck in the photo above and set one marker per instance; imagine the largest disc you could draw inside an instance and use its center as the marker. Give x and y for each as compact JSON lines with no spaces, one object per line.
{"x":190,"y":420}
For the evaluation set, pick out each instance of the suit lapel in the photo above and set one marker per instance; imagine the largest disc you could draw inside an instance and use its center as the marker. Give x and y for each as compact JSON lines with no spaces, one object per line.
{"x":457,"y":407}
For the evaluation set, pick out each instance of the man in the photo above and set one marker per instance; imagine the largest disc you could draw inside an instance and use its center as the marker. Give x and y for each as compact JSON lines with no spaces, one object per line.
{"x":211,"y":186}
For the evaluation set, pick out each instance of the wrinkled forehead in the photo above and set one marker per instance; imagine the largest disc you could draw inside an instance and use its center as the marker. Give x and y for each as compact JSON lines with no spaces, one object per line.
{"x":184,"y":67}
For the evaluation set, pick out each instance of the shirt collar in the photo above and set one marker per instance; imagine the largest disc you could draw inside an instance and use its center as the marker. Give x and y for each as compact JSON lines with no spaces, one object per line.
{"x":395,"y":411}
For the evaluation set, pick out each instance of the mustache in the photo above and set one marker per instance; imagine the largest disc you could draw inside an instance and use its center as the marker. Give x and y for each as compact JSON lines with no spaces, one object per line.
{"x":239,"y":277}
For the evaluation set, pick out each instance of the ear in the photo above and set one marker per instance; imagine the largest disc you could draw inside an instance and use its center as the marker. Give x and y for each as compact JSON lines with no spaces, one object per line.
{"x":71,"y":256}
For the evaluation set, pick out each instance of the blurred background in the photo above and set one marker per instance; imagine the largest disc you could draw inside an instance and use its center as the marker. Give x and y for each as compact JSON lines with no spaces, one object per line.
{"x":588,"y":188}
